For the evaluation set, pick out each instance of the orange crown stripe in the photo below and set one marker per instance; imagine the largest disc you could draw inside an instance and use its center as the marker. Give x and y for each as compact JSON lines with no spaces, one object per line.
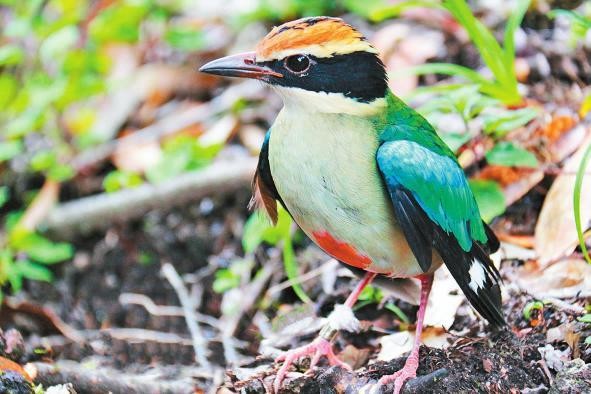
{"x":321,"y":36}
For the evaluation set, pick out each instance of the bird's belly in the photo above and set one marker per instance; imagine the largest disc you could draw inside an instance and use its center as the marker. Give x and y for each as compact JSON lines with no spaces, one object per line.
{"x":328,"y":179}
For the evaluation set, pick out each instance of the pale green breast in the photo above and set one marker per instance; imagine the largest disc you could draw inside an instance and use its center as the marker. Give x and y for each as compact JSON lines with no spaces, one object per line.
{"x":324,"y":168}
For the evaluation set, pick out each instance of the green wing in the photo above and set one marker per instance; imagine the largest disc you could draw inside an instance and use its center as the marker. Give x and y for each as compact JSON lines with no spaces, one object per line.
{"x":436,"y":209}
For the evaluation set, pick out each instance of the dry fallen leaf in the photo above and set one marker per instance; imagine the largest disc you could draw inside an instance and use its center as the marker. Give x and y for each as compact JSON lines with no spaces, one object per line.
{"x":9,"y":365}
{"x":555,"y":234}
{"x":444,"y":300}
{"x":396,"y":345}
{"x":355,"y":357}
{"x":563,"y":279}
{"x":137,"y":157}
{"x":220,"y":132}
{"x":566,"y":332}
{"x":401,"y":46}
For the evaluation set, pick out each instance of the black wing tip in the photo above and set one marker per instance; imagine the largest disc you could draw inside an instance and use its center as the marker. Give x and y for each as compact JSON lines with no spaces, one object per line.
{"x":423,"y":235}
{"x":493,"y":244}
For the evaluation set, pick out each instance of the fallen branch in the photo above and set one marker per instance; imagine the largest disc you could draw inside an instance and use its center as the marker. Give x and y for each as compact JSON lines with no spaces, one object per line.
{"x":104,"y":380}
{"x":188,"y":304}
{"x":100,"y":211}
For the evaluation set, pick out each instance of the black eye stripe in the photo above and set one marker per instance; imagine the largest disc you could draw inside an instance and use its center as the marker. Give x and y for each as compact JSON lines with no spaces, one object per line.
{"x":360,"y":75}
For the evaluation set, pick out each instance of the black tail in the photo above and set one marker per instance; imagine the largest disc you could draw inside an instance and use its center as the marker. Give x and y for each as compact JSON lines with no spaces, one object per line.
{"x":473,"y":270}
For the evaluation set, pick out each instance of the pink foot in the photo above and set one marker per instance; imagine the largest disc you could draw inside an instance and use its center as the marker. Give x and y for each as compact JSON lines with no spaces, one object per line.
{"x":317,"y":348}
{"x":409,"y":371}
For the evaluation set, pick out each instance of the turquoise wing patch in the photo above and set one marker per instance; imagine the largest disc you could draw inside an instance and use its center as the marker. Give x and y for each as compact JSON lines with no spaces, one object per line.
{"x":439,"y":186}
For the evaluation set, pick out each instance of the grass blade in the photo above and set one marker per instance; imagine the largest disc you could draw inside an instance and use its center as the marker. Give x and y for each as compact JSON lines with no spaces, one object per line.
{"x":577,"y":201}
{"x":291,"y":269}
{"x":513,"y":23}
{"x":442,"y":68}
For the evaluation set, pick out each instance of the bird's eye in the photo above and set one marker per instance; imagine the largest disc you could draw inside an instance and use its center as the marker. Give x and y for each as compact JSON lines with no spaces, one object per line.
{"x":297,"y":64}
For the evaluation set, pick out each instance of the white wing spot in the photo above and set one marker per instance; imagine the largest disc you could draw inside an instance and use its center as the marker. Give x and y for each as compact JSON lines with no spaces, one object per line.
{"x":342,"y":318}
{"x":477,"y":276}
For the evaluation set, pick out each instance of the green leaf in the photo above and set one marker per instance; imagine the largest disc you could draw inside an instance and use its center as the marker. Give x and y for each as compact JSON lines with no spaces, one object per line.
{"x":371,"y":293}
{"x":490,"y":198}
{"x":510,"y":155}
{"x":8,"y":87}
{"x":42,"y":250}
{"x":4,"y":195}
{"x":530,"y":306}
{"x":9,"y":149}
{"x":225,"y":279}
{"x":442,"y":68}
{"x":499,"y":124}
{"x":513,"y":23}
{"x":258,"y":228}
{"x":30,"y":270}
{"x":43,"y":160}
{"x":5,"y":265}
{"x":588,"y":340}
{"x":254,"y":230}
{"x":382,"y":10}
{"x":118,"y":179}
{"x":398,"y":312}
{"x":11,"y":55}
{"x":56,"y":45}
{"x":586,"y":318}
{"x":483,"y":39}
{"x":119,"y":22}
{"x":61,"y":172}
{"x":185,"y":38}
{"x":577,"y":201}
{"x":291,"y":268}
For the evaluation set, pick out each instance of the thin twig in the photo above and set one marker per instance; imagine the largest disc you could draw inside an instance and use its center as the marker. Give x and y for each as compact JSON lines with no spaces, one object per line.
{"x":249,"y":294}
{"x":302,"y":278}
{"x":163,"y":310}
{"x":199,"y":343}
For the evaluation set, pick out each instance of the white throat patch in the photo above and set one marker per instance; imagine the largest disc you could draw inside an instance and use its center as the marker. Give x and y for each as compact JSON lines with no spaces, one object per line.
{"x":297,"y":99}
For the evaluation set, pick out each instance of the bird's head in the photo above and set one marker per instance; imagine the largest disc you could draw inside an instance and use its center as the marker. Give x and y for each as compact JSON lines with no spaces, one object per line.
{"x":319,"y":64}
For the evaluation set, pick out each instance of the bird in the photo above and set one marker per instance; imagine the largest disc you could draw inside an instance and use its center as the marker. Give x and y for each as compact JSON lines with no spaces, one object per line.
{"x":365,"y":176}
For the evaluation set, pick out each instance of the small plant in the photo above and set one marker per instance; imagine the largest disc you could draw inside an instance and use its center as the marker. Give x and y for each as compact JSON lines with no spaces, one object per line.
{"x":580,"y":24}
{"x":476,"y":113}
{"x":499,"y":60}
{"x":27,"y":255}
{"x":577,"y":202}
{"x":259,"y":229}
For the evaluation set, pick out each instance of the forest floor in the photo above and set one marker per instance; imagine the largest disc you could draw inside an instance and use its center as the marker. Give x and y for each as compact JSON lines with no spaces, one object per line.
{"x":99,"y":318}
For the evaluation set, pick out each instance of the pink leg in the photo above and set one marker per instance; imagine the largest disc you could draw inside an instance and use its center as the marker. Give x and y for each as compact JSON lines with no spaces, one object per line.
{"x":322,"y":345}
{"x":409,"y":370}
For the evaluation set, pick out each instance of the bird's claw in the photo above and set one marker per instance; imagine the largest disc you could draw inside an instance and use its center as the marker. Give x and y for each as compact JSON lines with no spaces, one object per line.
{"x":316,"y":349}
{"x":409,"y":371}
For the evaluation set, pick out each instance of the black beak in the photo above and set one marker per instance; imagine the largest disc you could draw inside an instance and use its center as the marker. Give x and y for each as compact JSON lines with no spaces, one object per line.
{"x":243,"y":65}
